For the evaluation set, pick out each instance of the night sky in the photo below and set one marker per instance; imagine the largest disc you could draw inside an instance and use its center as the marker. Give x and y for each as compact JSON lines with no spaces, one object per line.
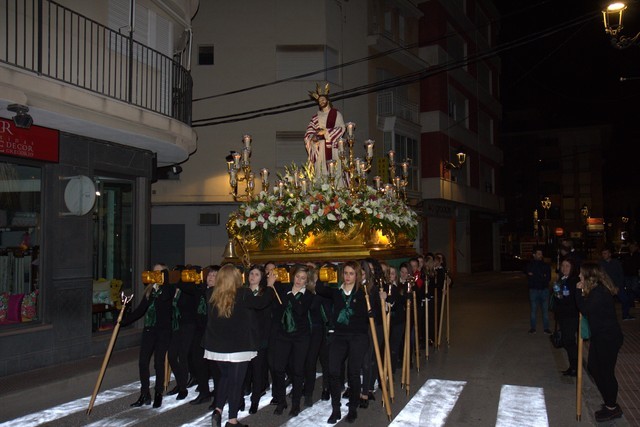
{"x":572,"y":78}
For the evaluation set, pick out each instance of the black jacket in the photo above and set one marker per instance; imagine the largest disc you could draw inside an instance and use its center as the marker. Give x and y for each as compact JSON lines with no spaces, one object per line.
{"x":359,"y":322}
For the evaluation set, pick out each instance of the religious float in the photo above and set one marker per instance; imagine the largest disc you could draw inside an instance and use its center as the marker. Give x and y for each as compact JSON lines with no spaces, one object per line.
{"x":308,"y":216}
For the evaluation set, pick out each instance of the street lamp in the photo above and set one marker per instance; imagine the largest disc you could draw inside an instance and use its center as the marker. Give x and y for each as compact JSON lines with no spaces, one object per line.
{"x":461,"y":158}
{"x":612,"y":17}
{"x":546,"y":205}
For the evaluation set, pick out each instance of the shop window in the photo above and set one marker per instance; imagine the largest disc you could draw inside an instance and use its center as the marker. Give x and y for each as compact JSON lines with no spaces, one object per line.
{"x":20,"y":207}
{"x":113,"y":249}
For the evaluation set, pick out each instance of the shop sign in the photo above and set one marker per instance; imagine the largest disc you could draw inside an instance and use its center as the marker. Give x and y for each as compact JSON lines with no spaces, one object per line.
{"x":436,"y":210}
{"x":35,"y":143}
{"x":595,"y":224}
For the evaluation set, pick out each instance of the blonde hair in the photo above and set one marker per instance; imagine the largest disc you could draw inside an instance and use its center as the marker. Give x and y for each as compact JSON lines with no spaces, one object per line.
{"x":228,"y":280}
{"x":593,"y":275}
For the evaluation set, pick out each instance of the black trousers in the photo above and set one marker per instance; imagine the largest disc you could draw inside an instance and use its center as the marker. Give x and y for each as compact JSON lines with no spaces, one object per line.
{"x":352,"y":348}
{"x":179,"y":353}
{"x":258,"y":375}
{"x":603,"y":355}
{"x":154,"y":342}
{"x":229,"y":387}
{"x":568,"y":332}
{"x":316,"y":344}
{"x":396,"y":335}
{"x":198,"y":365}
{"x":291,"y":351}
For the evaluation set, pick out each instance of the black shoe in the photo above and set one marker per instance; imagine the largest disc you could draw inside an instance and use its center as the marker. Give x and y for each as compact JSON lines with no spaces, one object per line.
{"x":371,"y":396}
{"x":606,"y":414}
{"x":570,"y":372}
{"x":352,"y":415}
{"x":192,"y":381}
{"x":280,"y":409}
{"x":325,"y":395}
{"x":334,"y":417}
{"x":173,"y":391}
{"x":202,"y":397}
{"x":274,"y":401}
{"x":295,"y":410}
{"x":254,"y":408}
{"x":144,"y":399}
{"x":346,"y":393}
{"x":182,"y":394}
{"x":532,"y":331}
{"x":216,"y":418}
{"x":212,"y":406}
{"x":157,"y":400}
{"x":364,"y":403}
{"x":547,"y":331}
{"x":238,"y":424}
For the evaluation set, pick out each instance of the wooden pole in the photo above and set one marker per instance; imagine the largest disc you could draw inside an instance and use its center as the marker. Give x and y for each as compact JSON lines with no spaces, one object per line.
{"x":107,"y":355}
{"x":376,"y":348}
{"x":435,"y":319}
{"x":447,"y":283}
{"x":579,"y":375}
{"x":403,"y":378}
{"x":444,"y":297}
{"x":388,"y":370}
{"x":407,"y":347}
{"x":426,"y":322}
{"x":415,"y":330}
{"x":167,"y":372}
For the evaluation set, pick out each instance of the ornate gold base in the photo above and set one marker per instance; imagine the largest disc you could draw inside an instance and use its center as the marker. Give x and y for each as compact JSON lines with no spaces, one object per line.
{"x":358,"y":242}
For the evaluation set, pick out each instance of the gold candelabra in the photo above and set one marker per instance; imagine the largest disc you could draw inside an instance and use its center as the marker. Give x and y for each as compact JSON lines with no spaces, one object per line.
{"x":239,"y":169}
{"x":354,"y":169}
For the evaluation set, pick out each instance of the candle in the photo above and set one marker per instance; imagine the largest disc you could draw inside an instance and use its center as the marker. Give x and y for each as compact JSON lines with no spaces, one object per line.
{"x":369,"y":146}
{"x":295,"y":180}
{"x":236,"y":160}
{"x":405,"y":169}
{"x":376,"y":181}
{"x":303,"y":189}
{"x":332,"y":167}
{"x":340,"y":146}
{"x":233,"y":177}
{"x":350,"y":128}
{"x":388,"y":188}
{"x":392,"y":155}
{"x":264,"y":174}
{"x":280,"y":188}
{"x":398,"y":183}
{"x":250,"y":183}
{"x":245,"y":156}
{"x":247,"y":141}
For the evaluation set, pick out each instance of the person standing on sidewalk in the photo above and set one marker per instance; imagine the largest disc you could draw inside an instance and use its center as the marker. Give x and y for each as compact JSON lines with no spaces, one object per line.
{"x":566,"y":313}
{"x":613,"y":268}
{"x":539,"y":275}
{"x":597,"y":305}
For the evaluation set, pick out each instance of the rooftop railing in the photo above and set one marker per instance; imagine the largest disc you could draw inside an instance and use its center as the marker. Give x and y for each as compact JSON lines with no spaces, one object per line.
{"x":53,"y":41}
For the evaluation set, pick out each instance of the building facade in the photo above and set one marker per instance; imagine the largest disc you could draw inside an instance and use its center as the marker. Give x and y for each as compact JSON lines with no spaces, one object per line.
{"x":258,"y":60}
{"x":94,"y":98}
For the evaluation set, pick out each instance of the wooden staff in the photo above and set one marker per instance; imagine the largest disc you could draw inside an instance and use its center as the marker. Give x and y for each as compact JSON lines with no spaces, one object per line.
{"x":167,"y":372}
{"x":407,"y":347}
{"x":579,"y":376}
{"x":445,"y":296}
{"x":376,"y":347}
{"x":426,"y":322}
{"x":435,"y":318}
{"x":415,"y":330}
{"x":107,"y":356}
{"x":447,"y":283}
{"x":387,"y":371}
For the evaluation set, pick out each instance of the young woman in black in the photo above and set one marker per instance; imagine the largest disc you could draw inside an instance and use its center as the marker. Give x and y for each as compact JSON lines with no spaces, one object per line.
{"x":156,"y":309}
{"x":291,"y":338}
{"x":350,"y":339}
{"x":596,"y":303}
{"x":231,"y":338}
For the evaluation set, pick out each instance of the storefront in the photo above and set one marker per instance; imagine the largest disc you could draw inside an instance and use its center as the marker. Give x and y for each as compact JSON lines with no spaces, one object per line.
{"x":74,"y":228}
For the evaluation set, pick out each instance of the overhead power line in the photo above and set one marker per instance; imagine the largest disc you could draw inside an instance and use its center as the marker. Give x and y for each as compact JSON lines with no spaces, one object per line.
{"x":396,"y":81}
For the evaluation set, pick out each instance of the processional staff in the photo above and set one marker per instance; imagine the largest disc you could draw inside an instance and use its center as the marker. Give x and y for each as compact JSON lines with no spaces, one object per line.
{"x":125,"y":300}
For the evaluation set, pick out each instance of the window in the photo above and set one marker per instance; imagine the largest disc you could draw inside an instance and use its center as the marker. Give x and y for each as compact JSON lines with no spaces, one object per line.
{"x":485,"y":128}
{"x":456,"y":46}
{"x":458,"y":107}
{"x":151,"y":29}
{"x":484,"y":76}
{"x":205,"y":55}
{"x":20,"y":234}
{"x":405,"y":147}
{"x":299,"y":60}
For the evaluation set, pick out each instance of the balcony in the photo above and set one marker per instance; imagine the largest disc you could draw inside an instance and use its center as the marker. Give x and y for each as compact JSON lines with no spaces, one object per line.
{"x":391,"y":104}
{"x":49,"y":40}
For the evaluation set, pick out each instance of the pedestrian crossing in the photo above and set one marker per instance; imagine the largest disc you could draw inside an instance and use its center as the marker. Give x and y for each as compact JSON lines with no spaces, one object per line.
{"x":431,"y":406}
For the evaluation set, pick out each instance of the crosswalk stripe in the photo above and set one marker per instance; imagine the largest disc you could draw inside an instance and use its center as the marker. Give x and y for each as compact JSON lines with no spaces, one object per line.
{"x":522,"y":406}
{"x":431,"y":405}
{"x":78,"y":405}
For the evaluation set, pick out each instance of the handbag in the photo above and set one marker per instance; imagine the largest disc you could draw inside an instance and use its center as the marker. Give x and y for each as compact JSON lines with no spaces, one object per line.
{"x":585,"y":332}
{"x":556,"y":337}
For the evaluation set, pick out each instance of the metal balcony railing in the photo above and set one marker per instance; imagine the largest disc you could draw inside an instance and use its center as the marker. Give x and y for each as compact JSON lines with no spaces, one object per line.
{"x":53,"y":41}
{"x":391,"y":104}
